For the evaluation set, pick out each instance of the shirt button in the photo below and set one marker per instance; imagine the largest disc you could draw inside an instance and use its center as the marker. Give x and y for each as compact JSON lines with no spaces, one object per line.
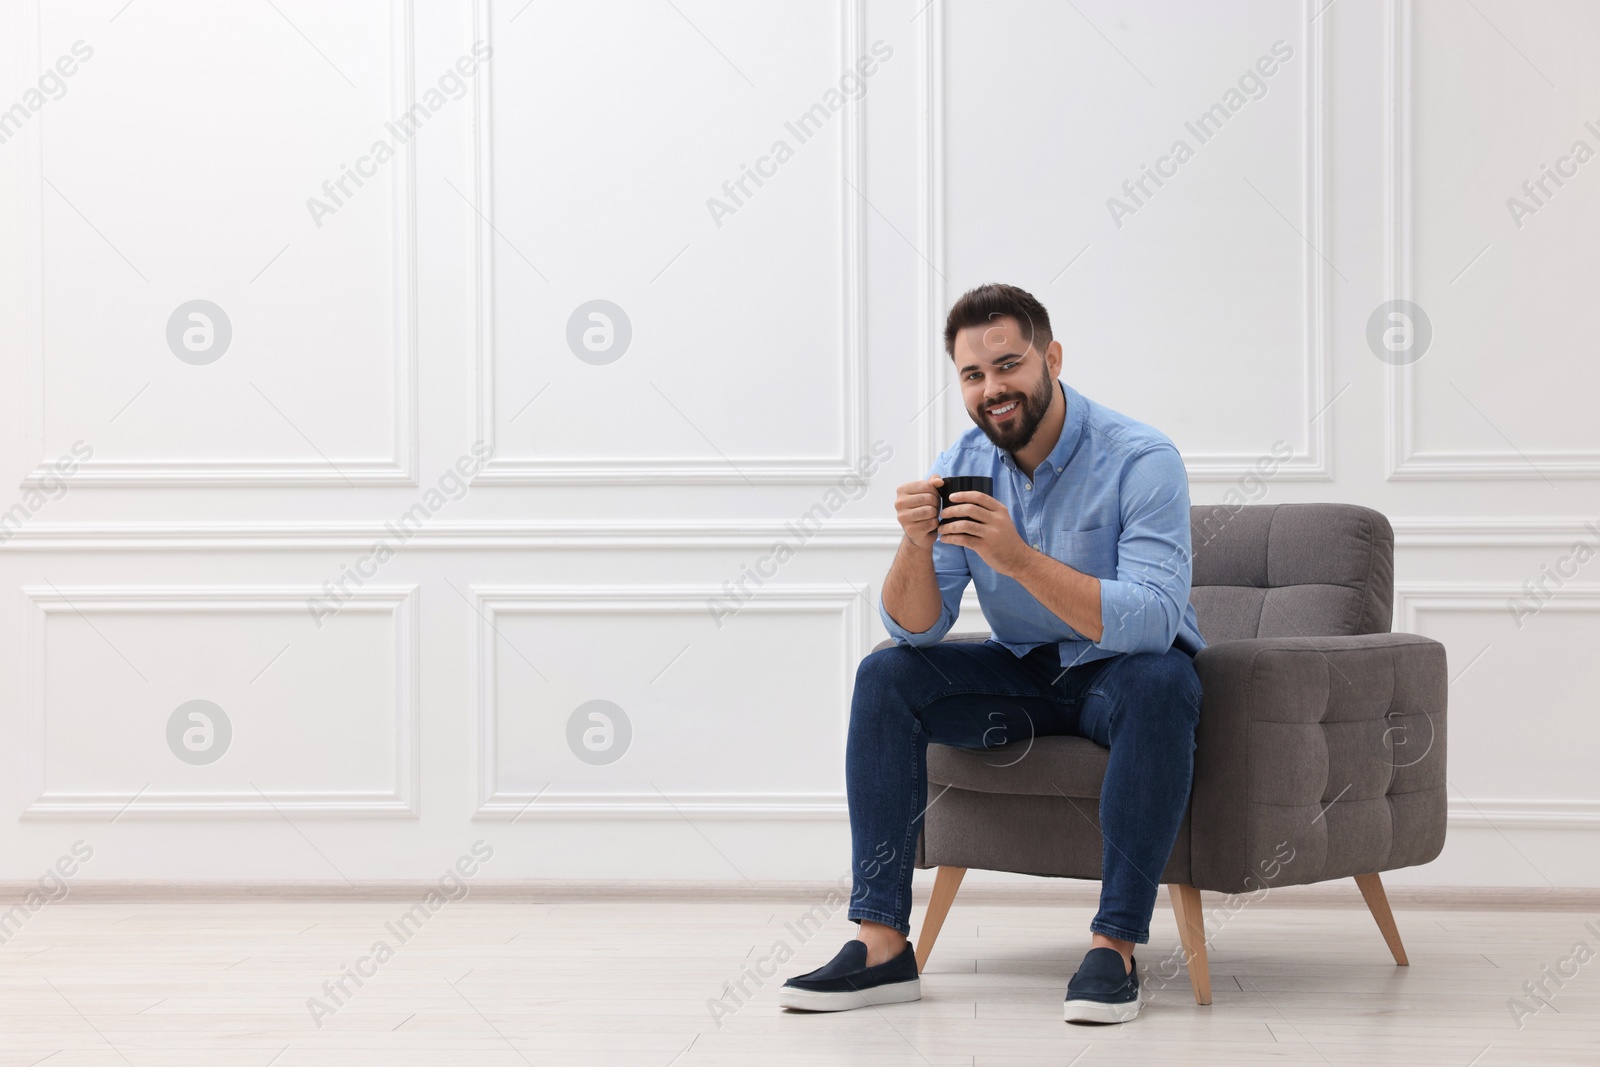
{"x":1028,"y":486}
{"x":1058,"y":470}
{"x":1037,"y":545}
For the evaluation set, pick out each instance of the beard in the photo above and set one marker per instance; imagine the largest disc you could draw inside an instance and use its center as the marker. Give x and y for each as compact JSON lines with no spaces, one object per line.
{"x":1017,"y":431}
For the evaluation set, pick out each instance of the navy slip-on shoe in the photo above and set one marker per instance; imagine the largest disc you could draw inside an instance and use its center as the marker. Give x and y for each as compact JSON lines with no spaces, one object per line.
{"x":1101,"y":991}
{"x":847,"y":982}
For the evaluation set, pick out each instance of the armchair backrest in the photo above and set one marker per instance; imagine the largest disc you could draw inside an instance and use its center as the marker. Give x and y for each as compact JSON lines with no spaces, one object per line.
{"x":1291,"y":570}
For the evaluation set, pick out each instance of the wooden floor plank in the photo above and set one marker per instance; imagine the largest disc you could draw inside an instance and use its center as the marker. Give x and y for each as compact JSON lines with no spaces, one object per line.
{"x":614,"y":981}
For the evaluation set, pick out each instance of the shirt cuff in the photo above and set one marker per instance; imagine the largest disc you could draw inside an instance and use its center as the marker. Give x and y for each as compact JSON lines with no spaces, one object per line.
{"x":906,"y":637}
{"x":1132,"y":617}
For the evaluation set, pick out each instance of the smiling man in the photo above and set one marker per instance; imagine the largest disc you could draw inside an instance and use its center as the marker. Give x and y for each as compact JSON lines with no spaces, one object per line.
{"x":1081,"y":560}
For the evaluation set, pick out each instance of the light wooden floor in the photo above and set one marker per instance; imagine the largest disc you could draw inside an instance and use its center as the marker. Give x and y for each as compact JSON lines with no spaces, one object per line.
{"x":572,"y":979}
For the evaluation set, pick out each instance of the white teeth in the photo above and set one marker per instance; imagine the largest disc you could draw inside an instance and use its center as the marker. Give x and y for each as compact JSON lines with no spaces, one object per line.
{"x":1003,"y":410}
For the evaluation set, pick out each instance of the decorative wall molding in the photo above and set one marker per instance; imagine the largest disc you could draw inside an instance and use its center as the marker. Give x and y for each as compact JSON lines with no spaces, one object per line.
{"x":399,"y":469}
{"x":1467,"y":814}
{"x":396,"y":601}
{"x":1422,"y":532}
{"x":714,"y":470}
{"x":1404,"y":460}
{"x":1472,"y":532}
{"x":1397,"y":219}
{"x":1313,"y":465}
{"x":727,"y":807}
{"x":1411,"y":598}
{"x":1410,"y":533}
{"x":300,"y":536}
{"x":933,"y":299}
{"x":492,"y":601}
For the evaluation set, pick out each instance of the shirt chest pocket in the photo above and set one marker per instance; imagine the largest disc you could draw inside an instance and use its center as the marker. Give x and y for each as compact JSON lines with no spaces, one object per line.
{"x":1090,"y":551}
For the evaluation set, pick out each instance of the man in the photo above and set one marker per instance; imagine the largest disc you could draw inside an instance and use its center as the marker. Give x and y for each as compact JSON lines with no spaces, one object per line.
{"x":1081,"y":560}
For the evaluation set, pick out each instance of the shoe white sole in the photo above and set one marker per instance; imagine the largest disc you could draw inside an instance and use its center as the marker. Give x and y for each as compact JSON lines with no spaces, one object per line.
{"x":1094,"y":1011}
{"x":843,"y":1000}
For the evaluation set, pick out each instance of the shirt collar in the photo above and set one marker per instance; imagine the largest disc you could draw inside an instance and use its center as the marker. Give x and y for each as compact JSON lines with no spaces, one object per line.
{"x":1072,"y":430}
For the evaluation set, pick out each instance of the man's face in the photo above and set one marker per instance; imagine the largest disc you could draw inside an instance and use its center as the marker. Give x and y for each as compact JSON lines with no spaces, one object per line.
{"x":1006,"y":383}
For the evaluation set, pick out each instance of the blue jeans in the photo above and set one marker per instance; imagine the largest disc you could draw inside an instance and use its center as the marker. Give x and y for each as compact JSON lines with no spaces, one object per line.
{"x":1143,"y":706}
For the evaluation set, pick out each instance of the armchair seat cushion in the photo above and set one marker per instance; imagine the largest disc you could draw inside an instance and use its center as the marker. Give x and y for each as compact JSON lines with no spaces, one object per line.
{"x":1054,"y":835}
{"x":1041,"y":766}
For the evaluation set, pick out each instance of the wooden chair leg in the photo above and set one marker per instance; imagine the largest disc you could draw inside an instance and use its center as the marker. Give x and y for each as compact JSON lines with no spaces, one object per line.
{"x":1192,"y":931}
{"x":945,"y":884}
{"x":1378,"y":903}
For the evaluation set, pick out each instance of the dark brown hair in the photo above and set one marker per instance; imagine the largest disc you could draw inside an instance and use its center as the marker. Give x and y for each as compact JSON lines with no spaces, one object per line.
{"x":987,"y":303}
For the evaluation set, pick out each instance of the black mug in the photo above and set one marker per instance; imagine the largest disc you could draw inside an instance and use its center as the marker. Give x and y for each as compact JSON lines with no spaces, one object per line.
{"x":964,"y":483}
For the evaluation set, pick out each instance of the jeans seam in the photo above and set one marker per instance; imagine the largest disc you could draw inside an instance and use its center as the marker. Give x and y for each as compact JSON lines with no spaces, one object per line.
{"x":900,"y":878}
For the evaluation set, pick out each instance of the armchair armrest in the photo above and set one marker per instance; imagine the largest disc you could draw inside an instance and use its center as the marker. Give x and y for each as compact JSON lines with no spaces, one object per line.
{"x":1317,"y":758}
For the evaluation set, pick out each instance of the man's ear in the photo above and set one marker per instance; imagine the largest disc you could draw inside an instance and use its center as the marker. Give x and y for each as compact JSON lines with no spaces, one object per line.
{"x":1052,"y":356}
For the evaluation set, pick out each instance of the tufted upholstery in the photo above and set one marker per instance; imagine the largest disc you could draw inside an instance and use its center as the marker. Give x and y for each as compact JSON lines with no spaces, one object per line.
{"x":1288,"y":570}
{"x":1334,"y":747}
{"x":1322,"y":734}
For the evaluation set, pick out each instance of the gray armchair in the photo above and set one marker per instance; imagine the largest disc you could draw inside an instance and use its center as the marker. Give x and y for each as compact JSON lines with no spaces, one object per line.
{"x":1320,"y":752}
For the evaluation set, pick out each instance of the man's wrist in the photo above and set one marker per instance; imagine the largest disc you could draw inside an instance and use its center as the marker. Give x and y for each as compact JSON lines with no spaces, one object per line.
{"x":1025,"y":560}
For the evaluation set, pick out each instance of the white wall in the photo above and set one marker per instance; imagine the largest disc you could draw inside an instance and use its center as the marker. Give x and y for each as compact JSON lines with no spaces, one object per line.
{"x":778,"y":344}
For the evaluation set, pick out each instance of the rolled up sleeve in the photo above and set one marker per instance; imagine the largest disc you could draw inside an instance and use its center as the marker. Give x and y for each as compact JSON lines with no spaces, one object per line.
{"x":953,"y":574}
{"x":1143,"y":607}
{"x":950,"y":568}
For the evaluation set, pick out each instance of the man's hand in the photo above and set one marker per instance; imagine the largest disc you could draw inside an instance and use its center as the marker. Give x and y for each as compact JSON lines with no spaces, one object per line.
{"x":983,"y":524}
{"x":916,"y":505}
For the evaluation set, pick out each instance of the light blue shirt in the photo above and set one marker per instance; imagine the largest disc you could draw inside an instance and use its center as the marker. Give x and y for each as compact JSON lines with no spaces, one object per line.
{"x":1111,"y":500}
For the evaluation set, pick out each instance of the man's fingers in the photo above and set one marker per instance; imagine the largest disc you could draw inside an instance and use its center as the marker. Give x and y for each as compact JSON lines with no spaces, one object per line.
{"x":973,"y":496}
{"x":972,"y":512}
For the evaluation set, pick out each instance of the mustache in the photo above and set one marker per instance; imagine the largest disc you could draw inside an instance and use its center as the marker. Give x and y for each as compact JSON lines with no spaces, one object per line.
{"x":1024,"y":404}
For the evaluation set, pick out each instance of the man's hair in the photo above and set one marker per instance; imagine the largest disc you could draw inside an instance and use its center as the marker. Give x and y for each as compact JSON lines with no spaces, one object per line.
{"x":981,"y":306}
